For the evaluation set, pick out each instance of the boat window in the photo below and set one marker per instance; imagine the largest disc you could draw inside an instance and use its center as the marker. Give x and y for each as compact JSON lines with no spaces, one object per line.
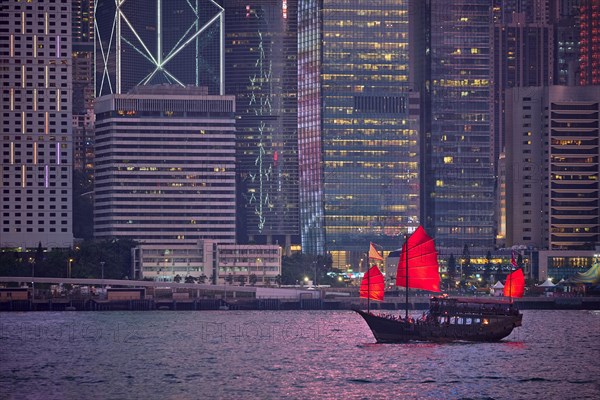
{"x":477,"y":321}
{"x":468,"y":321}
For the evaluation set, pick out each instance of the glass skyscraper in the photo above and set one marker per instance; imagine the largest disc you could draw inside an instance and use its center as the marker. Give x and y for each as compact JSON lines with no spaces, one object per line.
{"x":139,"y":42}
{"x":261,"y":71}
{"x":460,"y":193}
{"x":358,"y":139}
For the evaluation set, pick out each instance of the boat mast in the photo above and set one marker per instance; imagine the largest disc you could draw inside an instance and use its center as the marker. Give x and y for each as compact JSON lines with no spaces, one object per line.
{"x":406,"y":255}
{"x":510,"y":287}
{"x":368,"y":284}
{"x":512,"y":264}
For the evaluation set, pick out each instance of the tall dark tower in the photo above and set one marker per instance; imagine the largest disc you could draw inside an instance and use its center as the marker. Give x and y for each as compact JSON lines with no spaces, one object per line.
{"x":83,"y":20}
{"x":261,"y":71}
{"x":459,"y":160}
{"x":83,"y":86}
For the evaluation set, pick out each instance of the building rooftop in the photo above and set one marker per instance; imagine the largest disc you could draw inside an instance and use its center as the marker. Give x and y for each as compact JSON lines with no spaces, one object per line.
{"x":169,"y":89}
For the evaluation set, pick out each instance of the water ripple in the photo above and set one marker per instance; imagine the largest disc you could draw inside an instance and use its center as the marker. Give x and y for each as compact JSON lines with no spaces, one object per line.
{"x":292,"y":355}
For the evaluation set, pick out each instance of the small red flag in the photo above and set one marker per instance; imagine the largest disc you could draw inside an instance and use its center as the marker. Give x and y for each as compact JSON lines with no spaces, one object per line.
{"x":374,"y":254}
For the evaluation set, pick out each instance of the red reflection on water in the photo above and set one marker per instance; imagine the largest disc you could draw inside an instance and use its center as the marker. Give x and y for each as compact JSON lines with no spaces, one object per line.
{"x":381,"y":346}
{"x":515,"y":345}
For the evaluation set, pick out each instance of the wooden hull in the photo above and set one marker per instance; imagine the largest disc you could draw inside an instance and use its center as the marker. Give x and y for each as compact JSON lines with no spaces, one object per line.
{"x":388,"y":330}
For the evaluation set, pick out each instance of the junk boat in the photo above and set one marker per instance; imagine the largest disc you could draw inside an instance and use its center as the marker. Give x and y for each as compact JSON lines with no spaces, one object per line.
{"x":448,"y":319}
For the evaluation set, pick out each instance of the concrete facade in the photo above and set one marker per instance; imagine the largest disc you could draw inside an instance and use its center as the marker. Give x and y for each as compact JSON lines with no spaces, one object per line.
{"x":208,"y":259}
{"x":37,"y":144}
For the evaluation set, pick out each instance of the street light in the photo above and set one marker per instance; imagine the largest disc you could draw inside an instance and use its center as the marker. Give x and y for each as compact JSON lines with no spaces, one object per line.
{"x":69,"y":263}
{"x":102,"y":266}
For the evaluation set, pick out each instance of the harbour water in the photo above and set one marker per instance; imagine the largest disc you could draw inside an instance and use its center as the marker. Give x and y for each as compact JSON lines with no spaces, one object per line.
{"x":286,"y":354}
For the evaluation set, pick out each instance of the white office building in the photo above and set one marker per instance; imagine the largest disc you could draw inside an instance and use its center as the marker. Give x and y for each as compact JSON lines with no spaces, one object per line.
{"x":37,"y":159}
{"x":165,"y":166}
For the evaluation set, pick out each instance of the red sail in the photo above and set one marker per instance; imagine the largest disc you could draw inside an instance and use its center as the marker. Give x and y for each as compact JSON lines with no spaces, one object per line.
{"x":372,"y":285}
{"x":422,"y":263}
{"x":515,"y":284}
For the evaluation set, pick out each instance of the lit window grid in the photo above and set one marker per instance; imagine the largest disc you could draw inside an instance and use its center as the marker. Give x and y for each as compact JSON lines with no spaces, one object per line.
{"x":366,"y":155}
{"x":464,"y":205}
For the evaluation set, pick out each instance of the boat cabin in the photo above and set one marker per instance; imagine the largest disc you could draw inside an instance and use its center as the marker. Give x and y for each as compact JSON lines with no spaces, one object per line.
{"x":470,"y":307}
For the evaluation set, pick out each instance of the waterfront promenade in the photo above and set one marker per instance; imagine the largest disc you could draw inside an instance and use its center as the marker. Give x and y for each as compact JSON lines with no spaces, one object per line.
{"x":151,"y":295}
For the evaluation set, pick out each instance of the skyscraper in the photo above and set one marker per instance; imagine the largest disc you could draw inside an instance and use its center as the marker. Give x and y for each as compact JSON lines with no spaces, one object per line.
{"x":573,"y":152}
{"x":36,"y":124}
{"x":358,"y":139}
{"x":525,"y":168}
{"x":142,"y":42}
{"x":165,"y":166}
{"x":458,"y":164}
{"x":553,"y":174}
{"x":83,"y":116}
{"x":522,"y":56}
{"x":261,"y":71}
{"x":83,"y":106}
{"x":83,"y":85}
